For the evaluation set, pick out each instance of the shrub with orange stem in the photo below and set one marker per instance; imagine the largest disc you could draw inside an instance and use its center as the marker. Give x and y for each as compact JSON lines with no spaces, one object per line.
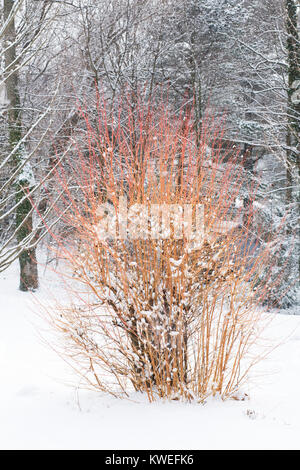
{"x":167,"y":261}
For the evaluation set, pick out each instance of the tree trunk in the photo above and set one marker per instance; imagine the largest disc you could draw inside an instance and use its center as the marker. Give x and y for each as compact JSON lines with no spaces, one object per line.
{"x":293,"y":105}
{"x":293,"y":102}
{"x":24,"y":210}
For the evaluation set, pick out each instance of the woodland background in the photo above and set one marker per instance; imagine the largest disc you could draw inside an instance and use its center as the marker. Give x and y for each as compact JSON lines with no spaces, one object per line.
{"x":234,"y":58}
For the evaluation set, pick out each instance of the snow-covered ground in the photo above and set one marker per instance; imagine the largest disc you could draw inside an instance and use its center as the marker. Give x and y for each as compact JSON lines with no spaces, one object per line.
{"x":40,"y":410}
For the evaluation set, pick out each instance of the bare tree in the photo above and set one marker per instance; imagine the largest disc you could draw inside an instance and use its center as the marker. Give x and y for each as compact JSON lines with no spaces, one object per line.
{"x":20,"y":37}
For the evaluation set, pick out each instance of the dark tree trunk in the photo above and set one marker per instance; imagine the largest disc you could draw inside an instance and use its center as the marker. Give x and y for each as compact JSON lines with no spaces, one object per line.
{"x":24,"y":209}
{"x":293,"y":104}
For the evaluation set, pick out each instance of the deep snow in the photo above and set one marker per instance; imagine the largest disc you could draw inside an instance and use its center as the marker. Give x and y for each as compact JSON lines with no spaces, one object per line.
{"x":40,"y":410}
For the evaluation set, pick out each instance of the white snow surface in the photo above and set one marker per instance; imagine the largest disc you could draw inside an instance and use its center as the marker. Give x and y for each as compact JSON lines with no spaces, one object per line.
{"x":40,"y":409}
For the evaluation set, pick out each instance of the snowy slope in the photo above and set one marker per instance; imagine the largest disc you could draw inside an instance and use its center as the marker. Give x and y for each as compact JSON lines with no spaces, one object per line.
{"x":40,"y":410}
